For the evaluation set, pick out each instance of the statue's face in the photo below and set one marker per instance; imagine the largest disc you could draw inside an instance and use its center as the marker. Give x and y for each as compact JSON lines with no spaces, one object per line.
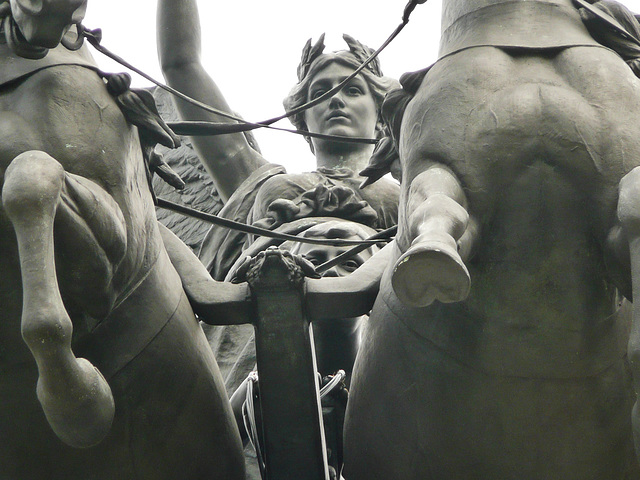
{"x":43,"y":23}
{"x":319,"y":254}
{"x":352,"y":112}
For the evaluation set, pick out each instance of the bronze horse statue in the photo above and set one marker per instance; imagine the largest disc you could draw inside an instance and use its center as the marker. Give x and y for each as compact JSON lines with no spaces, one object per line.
{"x":502,"y":344}
{"x":85,"y":272}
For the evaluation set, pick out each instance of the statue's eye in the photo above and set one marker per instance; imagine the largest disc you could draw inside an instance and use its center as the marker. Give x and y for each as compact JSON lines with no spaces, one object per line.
{"x":313,"y":260}
{"x":350,"y":265}
{"x":317,"y":93}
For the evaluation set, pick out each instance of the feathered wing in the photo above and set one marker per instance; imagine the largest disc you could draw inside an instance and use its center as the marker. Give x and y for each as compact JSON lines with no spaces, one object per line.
{"x":199,"y":191}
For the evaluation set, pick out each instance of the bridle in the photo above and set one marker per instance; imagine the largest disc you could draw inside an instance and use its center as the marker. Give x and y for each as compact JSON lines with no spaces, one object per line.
{"x":19,"y":44}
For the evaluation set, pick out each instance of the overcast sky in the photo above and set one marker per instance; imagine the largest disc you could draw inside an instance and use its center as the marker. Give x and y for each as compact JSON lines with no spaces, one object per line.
{"x":252,"y":48}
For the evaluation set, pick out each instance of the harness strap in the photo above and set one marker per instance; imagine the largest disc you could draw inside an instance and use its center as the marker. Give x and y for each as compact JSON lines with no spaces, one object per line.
{"x":517,"y":24}
{"x":202,"y":128}
{"x":133,"y":324}
{"x":242,"y":227}
{"x":14,"y":68}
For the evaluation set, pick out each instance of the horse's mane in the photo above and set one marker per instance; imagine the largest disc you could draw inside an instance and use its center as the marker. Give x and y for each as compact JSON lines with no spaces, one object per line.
{"x":393,"y":107}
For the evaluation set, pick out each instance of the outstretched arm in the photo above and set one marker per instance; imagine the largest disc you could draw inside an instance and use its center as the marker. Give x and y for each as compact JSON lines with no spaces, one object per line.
{"x":228,"y":158}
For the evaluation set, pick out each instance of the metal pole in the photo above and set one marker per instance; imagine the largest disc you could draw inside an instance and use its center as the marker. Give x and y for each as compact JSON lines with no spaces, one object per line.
{"x":293,"y":433}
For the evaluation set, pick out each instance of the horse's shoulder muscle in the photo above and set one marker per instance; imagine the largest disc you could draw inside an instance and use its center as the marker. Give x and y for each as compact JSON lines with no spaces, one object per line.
{"x":18,"y":136}
{"x":67,"y":112}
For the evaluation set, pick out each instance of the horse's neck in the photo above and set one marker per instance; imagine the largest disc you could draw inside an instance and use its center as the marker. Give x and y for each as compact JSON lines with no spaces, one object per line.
{"x":13,"y":67}
{"x":452,"y":10}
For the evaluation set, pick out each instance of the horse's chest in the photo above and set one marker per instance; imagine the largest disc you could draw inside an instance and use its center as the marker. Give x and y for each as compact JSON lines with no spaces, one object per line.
{"x":540,"y":144}
{"x":492,"y":116}
{"x":67,"y":112}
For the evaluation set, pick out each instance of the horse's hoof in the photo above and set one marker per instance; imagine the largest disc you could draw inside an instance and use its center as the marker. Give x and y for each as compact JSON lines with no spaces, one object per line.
{"x":430,"y":271}
{"x":82,"y":413}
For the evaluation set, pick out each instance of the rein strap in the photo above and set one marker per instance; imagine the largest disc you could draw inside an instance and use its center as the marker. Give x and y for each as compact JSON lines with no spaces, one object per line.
{"x":263,"y":232}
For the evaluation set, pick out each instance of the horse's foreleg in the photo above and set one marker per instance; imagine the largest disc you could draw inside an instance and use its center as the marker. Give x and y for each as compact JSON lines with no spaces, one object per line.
{"x":75,"y":397}
{"x":437,"y":229}
{"x":629,"y":216}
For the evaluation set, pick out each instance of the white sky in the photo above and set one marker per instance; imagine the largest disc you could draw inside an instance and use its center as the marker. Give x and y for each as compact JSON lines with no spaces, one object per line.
{"x":252,"y":48}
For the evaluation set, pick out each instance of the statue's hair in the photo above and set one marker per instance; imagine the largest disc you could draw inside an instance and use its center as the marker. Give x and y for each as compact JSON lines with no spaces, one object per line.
{"x":313,"y":60}
{"x":337,"y":228}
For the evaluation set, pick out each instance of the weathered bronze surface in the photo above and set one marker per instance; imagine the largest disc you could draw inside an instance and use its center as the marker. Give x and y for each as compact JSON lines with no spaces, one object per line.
{"x":502,"y":344}
{"x":289,"y":396}
{"x":257,"y":192}
{"x":513,"y":147}
{"x":84,"y":272}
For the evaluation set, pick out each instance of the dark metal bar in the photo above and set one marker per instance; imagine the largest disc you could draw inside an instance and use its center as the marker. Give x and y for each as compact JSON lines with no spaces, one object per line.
{"x":294,"y":445}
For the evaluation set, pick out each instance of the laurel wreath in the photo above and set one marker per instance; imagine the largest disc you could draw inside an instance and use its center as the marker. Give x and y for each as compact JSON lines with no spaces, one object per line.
{"x":360,"y":51}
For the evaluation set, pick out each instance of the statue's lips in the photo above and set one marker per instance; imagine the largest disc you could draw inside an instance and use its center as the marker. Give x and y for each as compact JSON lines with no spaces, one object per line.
{"x":337,"y":116}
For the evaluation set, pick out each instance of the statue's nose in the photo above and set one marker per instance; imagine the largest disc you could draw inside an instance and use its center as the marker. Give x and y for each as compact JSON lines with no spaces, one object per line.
{"x":332,"y":272}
